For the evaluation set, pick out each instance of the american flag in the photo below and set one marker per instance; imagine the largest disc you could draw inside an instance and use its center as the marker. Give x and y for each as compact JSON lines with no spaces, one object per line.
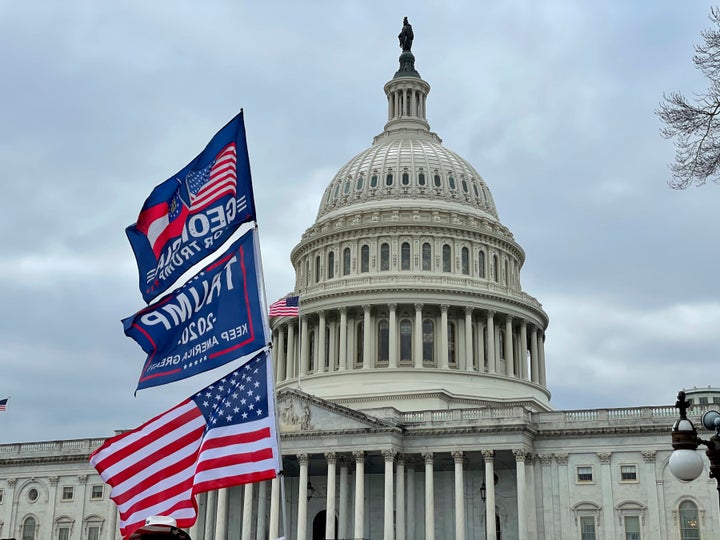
{"x":3,"y":404}
{"x":222,"y":436}
{"x":219,"y":178}
{"x":286,"y":307}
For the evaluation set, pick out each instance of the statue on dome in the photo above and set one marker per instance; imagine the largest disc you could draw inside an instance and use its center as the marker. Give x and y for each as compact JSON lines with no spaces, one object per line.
{"x":406,"y":35}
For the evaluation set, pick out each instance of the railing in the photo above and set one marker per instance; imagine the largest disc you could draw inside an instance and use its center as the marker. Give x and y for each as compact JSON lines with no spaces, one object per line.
{"x":75,"y":446}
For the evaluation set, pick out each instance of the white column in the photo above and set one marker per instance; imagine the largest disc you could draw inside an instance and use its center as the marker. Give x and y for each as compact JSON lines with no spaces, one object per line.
{"x":400,"y":498}
{"x":210,"y":507}
{"x":429,"y":497}
{"x":291,"y":357}
{"x":459,"y":496}
{"x":491,"y":341}
{"x":343,"y":504}
{"x":480,"y":346}
{"x":222,"y":515}
{"x":521,"y":486}
{"x":367,"y":335}
{"x":333,"y":359}
{"x":509,"y":359}
{"x":563,"y":491}
{"x":649,"y":457}
{"x":607,"y":493}
{"x":302,"y":497}
{"x":343,"y":340}
{"x":393,"y":363}
{"x":491,"y":530}
{"x":330,"y":500}
{"x":469,"y":357}
{"x":388,"y":525}
{"x":279,"y":352}
{"x":523,"y":351}
{"x":320,"y":367}
{"x":444,"y":336}
{"x":541,"y":357}
{"x":417,"y":338}
{"x":410,"y":519}
{"x":359,"y":494}
{"x":304,"y":347}
{"x":274,"y":508}
{"x":261,"y":528}
{"x":534,"y":363}
{"x":247,"y":512}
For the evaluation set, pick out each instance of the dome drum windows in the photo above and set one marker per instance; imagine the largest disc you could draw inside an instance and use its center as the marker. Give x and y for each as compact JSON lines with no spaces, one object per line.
{"x":426,"y":257}
{"x":446,"y":258}
{"x":346,"y":262}
{"x":365,"y":258}
{"x":384,"y":257}
{"x":405,"y":256}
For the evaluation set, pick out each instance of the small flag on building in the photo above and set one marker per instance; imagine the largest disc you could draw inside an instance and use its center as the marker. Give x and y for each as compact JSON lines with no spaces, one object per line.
{"x":3,"y":404}
{"x":286,"y":307}
{"x":222,"y":436}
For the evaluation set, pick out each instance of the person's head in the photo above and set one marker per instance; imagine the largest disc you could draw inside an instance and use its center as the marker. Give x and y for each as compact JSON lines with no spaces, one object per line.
{"x":159,"y":528}
{"x":405,"y":21}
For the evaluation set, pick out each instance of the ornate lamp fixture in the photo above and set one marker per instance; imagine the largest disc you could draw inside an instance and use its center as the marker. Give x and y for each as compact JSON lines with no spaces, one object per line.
{"x":685,"y":462}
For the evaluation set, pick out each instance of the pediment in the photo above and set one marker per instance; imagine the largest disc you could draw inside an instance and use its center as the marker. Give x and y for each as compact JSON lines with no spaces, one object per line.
{"x":298,"y":412}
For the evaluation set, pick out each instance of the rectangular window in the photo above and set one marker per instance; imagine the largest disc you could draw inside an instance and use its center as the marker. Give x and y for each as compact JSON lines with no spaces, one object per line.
{"x":587,"y":528}
{"x":703,"y":401}
{"x":632,"y":528}
{"x":64,"y":533}
{"x":93,"y":532}
{"x":628,"y":473}
{"x":584,"y":474}
{"x":2,"y":495}
{"x":97,"y":491}
{"x":67,"y":493}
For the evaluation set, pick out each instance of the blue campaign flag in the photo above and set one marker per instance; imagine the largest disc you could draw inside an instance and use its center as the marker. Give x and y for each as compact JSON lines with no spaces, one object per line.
{"x":213,"y":319}
{"x":191,"y":214}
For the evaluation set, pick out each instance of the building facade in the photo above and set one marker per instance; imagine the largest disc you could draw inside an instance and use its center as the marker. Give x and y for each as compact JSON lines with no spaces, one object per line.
{"x":411,"y":390}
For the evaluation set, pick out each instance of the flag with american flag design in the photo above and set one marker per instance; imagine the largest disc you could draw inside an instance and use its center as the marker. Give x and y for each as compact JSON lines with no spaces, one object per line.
{"x":223,"y":436}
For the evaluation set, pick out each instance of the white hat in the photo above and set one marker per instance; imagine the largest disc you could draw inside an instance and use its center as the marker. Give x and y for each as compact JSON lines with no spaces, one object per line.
{"x":159,"y":527}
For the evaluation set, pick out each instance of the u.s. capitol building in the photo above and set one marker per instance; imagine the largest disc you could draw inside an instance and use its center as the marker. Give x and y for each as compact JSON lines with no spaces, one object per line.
{"x":411,"y":390}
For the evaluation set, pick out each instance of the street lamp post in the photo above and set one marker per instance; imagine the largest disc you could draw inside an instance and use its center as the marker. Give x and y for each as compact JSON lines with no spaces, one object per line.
{"x":685,"y":463}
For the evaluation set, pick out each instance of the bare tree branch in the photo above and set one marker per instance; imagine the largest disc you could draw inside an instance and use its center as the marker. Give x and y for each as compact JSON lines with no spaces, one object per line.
{"x":696,"y":126}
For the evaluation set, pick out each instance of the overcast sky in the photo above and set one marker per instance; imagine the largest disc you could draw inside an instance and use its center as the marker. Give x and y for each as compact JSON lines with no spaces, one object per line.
{"x":552,"y":102}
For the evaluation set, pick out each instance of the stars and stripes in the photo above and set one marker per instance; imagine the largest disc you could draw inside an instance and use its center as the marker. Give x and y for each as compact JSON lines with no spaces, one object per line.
{"x":222,"y":436}
{"x":216,"y":180}
{"x":3,"y":404}
{"x":286,"y":307}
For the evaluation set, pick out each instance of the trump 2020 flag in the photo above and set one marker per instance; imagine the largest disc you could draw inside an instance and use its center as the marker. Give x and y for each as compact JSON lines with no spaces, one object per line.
{"x":222,"y":436}
{"x":213,"y":319}
{"x":191,"y":214}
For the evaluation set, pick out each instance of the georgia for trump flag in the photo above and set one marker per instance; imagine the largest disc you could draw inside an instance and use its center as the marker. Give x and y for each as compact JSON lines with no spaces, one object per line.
{"x":192,"y":213}
{"x":222,"y":436}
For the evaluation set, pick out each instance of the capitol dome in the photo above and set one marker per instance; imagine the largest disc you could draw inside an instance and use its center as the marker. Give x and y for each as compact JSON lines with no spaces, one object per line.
{"x":409,"y":284}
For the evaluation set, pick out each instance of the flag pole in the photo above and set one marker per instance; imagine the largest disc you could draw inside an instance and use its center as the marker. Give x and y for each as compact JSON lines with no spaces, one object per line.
{"x":268,"y":333}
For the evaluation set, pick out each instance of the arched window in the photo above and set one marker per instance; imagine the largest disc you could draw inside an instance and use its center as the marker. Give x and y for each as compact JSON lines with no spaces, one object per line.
{"x":359,"y":183}
{"x":501,"y":344}
{"x":359,"y":343}
{"x":331,"y":265}
{"x":365,"y":258}
{"x":384,"y":256}
{"x":505,"y":273}
{"x":389,"y":179}
{"x":317,"y":269}
{"x":464,"y":185}
{"x":405,"y":256}
{"x":406,"y":329}
{"x":307,"y":272}
{"x":421,"y":179}
{"x":346,"y":261}
{"x":495,"y":268}
{"x":689,"y":521}
{"x":405,"y":179}
{"x":373,"y":181}
{"x":426,"y":256}
{"x":28,"y":529}
{"x":481,"y":264}
{"x":447,"y":262}
{"x":451,"y":182}
{"x":465,"y":261}
{"x":428,"y":341}
{"x":452,"y":352}
{"x":346,"y":189}
{"x":437,"y":180}
{"x":383,"y":342}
